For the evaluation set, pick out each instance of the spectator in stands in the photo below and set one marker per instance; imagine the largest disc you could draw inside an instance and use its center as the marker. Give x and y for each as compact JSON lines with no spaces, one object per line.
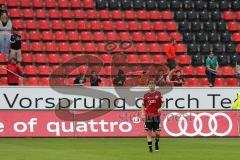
{"x":80,"y":80}
{"x":175,"y":78}
{"x":95,"y":79}
{"x":143,"y":81}
{"x":16,"y":46}
{"x":3,"y":8}
{"x":171,"y":54}
{"x":14,"y":71}
{"x":161,"y":79}
{"x":5,"y":33}
{"x":119,"y":80}
{"x":211,"y":68}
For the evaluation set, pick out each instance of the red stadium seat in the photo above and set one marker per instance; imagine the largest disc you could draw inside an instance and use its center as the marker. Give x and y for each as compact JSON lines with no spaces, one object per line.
{"x":63,"y":3}
{"x":146,"y":26}
{"x":95,"y":25}
{"x":73,"y":36}
{"x":136,"y":70}
{"x":33,"y":81}
{"x":50,"y":47}
{"x":112,"y":36}
{"x":133,"y":25}
{"x":132,"y":58}
{"x":12,"y":3}
{"x":2,"y":70}
{"x":150,"y":36}
{"x":75,"y":4}
{"x":171,"y":26}
{"x":121,"y":26}
{"x":108,"y":25}
{"x":91,"y":14}
{"x":181,"y":48}
{"x":125,"y":36}
{"x":176,"y":35}
{"x":79,"y":14}
{"x":129,"y":15}
{"x":184,"y":59}
{"x":90,"y":47}
{"x":88,"y":4}
{"x":31,"y":24}
{"x":44,"y":70}
{"x":141,"y":47}
{"x":28,"y":13}
{"x":99,"y":36}
{"x":3,"y":81}
{"x":219,"y":82}
{"x":34,"y":36}
{"x":188,"y":70}
{"x":25,"y":47}
{"x":142,"y":15}
{"x":238,"y":15}
{"x":18,"y":24}
{"x":37,"y":3}
{"x":2,"y":58}
{"x":238,"y":48}
{"x":137,"y":36}
{"x":41,"y":14}
{"x":44,"y":25}
{"x":66,"y":14}
{"x":86,"y":36}
{"x":83,"y":25}
{"x":159,"y":59}
{"x":200,"y":71}
{"x":25,"y":3}
{"x":57,"y":70}
{"x":63,"y":47}
{"x":45,"y":81}
{"x":232,"y":82}
{"x":193,"y":82}
{"x":37,"y":47}
{"x":67,"y":58}
{"x":69,"y":25}
{"x":57,"y":25}
{"x":163,"y":37}
{"x":41,"y":58}
{"x":155,"y":15}
{"x":110,"y":70}
{"x":27,"y":58}
{"x":154,"y":47}
{"x":101,"y":47}
{"x":50,"y":3}
{"x":47,"y":35}
{"x":30,"y":70}
{"x":117,"y":14}
{"x":204,"y":82}
{"x":158,"y":26}
{"x":71,"y":70}
{"x":15,"y":13}
{"x":106,"y":58}
{"x":120,"y":58}
{"x":104,"y":14}
{"x":233,"y":26}
{"x":167,"y":15}
{"x":60,"y":36}
{"x":228,"y":71}
{"x":228,"y":16}
{"x":54,"y":58}
{"x":76,"y":47}
{"x":23,"y":35}
{"x":236,"y":37}
{"x":145,"y":59}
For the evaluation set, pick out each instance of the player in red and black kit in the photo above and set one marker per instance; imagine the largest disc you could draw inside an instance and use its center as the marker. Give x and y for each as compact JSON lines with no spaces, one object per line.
{"x":151,"y":110}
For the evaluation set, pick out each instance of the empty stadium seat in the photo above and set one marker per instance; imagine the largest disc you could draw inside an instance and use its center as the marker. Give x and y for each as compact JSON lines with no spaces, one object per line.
{"x":30,"y":70}
{"x":26,"y":58}
{"x":232,"y":82}
{"x":192,"y":82}
{"x":41,"y":58}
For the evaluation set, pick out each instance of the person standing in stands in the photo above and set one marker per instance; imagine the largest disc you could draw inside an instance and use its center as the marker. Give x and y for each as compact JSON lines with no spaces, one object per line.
{"x":80,"y":80}
{"x":13,"y":73}
{"x":5,"y":33}
{"x":143,"y":81}
{"x":95,"y":79}
{"x":171,"y":54}
{"x":175,"y":78}
{"x":16,"y":46}
{"x":211,"y":68}
{"x":119,"y":80}
{"x":3,"y":8}
{"x":161,"y":78}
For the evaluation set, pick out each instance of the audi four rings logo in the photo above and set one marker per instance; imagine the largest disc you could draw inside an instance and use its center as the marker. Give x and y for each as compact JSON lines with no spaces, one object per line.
{"x":197,"y":118}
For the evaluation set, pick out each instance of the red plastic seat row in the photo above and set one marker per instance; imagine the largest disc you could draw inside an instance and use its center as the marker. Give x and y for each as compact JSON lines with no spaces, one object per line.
{"x":231,"y":16}
{"x":219,"y":82}
{"x":98,"y":47}
{"x":233,"y":26}
{"x":52,"y":3}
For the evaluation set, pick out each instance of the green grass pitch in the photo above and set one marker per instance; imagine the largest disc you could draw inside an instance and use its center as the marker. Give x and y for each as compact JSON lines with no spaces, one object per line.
{"x":118,"y":149}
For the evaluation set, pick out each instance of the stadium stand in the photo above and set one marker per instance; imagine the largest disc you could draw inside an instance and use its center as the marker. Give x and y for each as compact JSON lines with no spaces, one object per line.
{"x":53,"y":32}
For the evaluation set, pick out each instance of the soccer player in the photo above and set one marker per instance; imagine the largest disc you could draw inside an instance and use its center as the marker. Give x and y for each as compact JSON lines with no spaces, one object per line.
{"x":151,"y":110}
